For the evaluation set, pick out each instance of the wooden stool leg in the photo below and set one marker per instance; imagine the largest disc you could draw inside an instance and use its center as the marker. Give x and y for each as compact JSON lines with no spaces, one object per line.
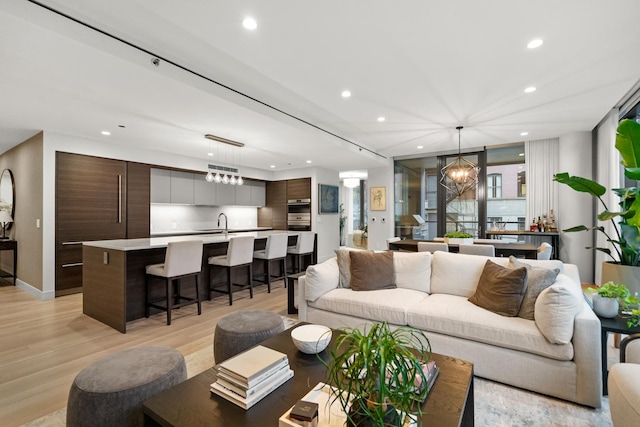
{"x":146,"y":296}
{"x":169,"y":281}
{"x":229,"y":285}
{"x":198,"y":296}
{"x":616,"y":340}
{"x":250,"y":280}
{"x":269,"y":276}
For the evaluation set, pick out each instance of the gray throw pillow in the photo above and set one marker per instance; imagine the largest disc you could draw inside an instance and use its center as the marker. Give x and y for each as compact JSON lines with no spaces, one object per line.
{"x":538,"y":280}
{"x":500,"y":289}
{"x":371,"y":270}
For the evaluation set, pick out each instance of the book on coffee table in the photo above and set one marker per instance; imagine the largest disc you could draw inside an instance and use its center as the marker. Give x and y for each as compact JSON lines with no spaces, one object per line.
{"x":254,"y":395}
{"x":253,"y":366}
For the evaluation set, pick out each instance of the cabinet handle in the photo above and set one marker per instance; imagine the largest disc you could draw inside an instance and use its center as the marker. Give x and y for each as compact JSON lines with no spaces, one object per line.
{"x":119,"y":199}
{"x":71,"y":243}
{"x":73,"y":264}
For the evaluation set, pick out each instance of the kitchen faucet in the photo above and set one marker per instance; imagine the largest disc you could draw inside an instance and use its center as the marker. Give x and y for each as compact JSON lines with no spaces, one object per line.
{"x":226,"y":223}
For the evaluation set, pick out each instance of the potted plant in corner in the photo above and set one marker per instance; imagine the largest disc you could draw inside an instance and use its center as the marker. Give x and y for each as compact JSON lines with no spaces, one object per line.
{"x":607,"y":298}
{"x":623,"y":267}
{"x":379,"y":376}
{"x":458,"y":238}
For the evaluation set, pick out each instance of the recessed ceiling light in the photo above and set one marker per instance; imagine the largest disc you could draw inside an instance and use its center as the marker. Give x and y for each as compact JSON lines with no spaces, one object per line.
{"x":272,"y":166}
{"x":521,"y":155}
{"x":535,"y":43}
{"x":105,"y":133}
{"x":530,"y":89}
{"x":346,"y":94}
{"x":381,"y":119}
{"x":250,"y":23}
{"x":524,"y":133}
{"x":308,"y":161}
{"x":420,"y":147}
{"x":210,"y":154}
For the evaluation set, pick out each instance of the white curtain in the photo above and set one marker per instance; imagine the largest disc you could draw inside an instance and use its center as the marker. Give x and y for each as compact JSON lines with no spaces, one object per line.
{"x":542,"y":160}
{"x":609,"y":175}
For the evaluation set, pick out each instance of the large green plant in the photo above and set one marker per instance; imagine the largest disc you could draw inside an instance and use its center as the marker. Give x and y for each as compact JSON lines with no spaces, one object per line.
{"x":626,"y":241}
{"x":378,"y":371}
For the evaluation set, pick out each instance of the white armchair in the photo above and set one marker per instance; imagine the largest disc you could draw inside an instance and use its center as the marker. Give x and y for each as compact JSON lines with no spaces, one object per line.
{"x":624,"y":387}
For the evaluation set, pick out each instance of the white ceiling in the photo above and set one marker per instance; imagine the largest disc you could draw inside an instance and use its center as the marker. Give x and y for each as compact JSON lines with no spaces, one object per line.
{"x":426,"y":66}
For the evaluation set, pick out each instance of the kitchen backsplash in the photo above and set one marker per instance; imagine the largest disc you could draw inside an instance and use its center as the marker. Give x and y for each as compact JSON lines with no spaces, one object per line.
{"x":195,"y":218}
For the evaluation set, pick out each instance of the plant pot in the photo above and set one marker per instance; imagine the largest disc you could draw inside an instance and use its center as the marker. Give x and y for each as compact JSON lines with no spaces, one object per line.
{"x":358,"y":416}
{"x":622,"y":274}
{"x":605,"y":307}
{"x":458,"y":240}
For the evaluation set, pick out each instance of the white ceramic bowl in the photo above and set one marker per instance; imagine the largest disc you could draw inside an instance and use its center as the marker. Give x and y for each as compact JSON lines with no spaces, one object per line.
{"x":311,"y":339}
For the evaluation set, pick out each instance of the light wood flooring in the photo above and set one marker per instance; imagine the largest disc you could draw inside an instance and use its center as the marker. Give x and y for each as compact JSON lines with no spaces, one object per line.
{"x":44,"y":344}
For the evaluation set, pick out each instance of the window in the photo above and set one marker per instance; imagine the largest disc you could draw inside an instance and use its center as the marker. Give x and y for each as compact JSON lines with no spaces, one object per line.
{"x":494,"y":186}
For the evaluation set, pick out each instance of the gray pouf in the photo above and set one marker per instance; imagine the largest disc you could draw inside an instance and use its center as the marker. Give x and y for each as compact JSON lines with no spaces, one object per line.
{"x":241,"y":330}
{"x":110,"y":392}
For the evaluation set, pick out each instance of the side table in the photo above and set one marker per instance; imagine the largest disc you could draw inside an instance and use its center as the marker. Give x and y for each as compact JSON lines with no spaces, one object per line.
{"x":10,"y":245}
{"x":616,"y":325}
{"x":292,"y":279}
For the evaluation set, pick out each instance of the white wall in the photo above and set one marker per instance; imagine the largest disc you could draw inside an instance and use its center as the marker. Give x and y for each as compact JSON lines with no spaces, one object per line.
{"x":381,"y":223}
{"x":576,"y":208}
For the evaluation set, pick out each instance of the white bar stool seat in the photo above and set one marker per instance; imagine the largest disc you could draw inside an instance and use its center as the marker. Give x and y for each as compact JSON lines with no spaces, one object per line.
{"x":303,"y":247}
{"x":239,"y":255}
{"x":275,"y":250}
{"x":182,"y":259}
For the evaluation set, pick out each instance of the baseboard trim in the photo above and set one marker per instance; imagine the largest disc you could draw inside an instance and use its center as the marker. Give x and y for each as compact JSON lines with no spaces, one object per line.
{"x":41,"y":295}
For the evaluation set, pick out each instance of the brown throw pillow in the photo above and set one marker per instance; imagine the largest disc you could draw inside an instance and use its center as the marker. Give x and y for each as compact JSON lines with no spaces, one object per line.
{"x":538,"y":279}
{"x":500,"y":289}
{"x":371,"y":270}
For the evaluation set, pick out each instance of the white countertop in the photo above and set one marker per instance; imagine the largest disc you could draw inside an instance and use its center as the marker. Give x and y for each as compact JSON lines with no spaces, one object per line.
{"x":161,"y":242}
{"x":207,"y":231}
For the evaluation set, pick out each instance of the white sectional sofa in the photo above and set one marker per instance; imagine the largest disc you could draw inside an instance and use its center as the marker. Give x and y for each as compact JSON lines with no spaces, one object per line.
{"x":557,"y":353}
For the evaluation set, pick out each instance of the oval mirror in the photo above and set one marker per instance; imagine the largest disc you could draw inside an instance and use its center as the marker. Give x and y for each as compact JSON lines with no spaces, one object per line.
{"x":7,"y":194}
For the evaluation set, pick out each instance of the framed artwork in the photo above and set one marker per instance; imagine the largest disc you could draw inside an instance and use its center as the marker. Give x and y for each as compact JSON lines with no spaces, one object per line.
{"x":378,"y":199}
{"x":327,"y":199}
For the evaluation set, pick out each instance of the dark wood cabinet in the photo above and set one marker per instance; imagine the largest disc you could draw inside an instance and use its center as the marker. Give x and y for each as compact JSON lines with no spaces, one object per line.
{"x":275,"y":213}
{"x":96,"y":199}
{"x":299,"y":188}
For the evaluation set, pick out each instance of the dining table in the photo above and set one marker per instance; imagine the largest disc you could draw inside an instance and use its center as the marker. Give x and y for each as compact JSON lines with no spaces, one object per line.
{"x":518,"y":250}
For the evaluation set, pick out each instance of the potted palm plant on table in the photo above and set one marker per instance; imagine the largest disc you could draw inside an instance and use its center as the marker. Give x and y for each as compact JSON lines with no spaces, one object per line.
{"x":625,"y":238}
{"x":379,"y":375}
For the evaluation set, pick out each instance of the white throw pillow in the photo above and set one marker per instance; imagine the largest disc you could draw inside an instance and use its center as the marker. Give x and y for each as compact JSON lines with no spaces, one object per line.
{"x":456,"y":274}
{"x":321,"y":278}
{"x":556,"y":309}
{"x":413,"y":270}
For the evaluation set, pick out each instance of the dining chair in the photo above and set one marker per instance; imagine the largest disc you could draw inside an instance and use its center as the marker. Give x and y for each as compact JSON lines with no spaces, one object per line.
{"x":239,"y":255}
{"x":303,"y":248}
{"x":182,"y":260}
{"x":432,"y":247}
{"x":487,"y":250}
{"x":544,"y":251}
{"x":275,"y":250}
{"x":391,"y":240}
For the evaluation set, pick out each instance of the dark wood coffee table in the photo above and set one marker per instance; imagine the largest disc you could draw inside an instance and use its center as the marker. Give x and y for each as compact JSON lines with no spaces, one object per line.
{"x":190,"y":403}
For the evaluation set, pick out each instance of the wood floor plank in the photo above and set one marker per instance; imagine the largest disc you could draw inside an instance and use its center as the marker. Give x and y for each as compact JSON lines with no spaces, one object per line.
{"x":44,"y":344}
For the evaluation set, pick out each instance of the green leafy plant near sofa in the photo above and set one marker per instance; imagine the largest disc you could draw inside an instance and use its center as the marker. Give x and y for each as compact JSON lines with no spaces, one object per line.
{"x":377,"y":371}
{"x":611,"y":290}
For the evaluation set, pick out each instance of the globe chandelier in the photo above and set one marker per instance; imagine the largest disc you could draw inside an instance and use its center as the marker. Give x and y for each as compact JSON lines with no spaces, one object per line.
{"x":461,"y":175}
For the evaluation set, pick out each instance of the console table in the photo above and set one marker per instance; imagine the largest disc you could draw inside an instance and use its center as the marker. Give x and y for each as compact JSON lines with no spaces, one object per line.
{"x":10,"y":245}
{"x":554,"y":236}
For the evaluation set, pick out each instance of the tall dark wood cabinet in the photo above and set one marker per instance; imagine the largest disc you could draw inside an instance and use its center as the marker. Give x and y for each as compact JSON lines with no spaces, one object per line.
{"x":96,"y":199}
{"x":276,"y":206}
{"x":299,"y":188}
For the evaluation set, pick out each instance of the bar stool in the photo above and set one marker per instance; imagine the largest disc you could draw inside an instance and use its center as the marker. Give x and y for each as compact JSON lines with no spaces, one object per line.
{"x":275,"y":250}
{"x":183,"y":259}
{"x":303,"y":247}
{"x":239,"y":255}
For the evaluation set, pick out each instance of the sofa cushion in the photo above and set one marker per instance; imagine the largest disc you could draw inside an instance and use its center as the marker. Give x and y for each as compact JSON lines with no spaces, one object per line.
{"x":500,"y":289}
{"x":538,"y":279}
{"x":371,"y":270}
{"x":321,"y":278}
{"x":383,"y":305}
{"x":456,"y":316}
{"x":448,"y":276}
{"x":412,"y":270}
{"x":344,"y":265}
{"x":556,"y":308}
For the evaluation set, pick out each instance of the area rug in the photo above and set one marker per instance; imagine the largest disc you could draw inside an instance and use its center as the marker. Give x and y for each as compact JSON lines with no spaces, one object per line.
{"x":496,"y":405}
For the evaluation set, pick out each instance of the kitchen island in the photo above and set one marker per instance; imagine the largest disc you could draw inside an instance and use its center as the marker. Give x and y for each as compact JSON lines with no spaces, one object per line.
{"x":113,"y":273}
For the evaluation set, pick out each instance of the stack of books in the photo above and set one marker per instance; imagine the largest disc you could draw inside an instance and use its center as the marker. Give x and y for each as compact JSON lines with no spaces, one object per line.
{"x":248,"y":377}
{"x":431,"y":372}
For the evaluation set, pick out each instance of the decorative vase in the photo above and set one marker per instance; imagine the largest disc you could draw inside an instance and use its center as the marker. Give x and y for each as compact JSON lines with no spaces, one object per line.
{"x":624,"y":274}
{"x":605,"y":307}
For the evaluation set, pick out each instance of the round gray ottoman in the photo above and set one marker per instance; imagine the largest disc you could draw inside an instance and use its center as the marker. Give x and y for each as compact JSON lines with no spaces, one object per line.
{"x":241,"y":330}
{"x":110,"y":391}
